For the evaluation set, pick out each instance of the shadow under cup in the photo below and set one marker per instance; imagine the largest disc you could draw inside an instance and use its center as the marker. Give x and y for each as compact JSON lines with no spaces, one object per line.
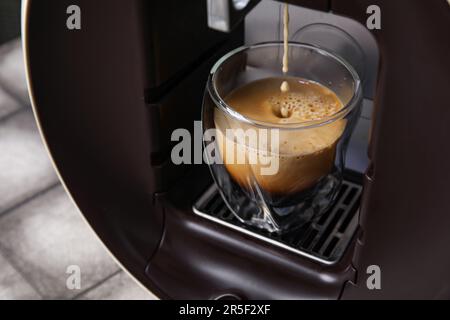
{"x":262,"y":185}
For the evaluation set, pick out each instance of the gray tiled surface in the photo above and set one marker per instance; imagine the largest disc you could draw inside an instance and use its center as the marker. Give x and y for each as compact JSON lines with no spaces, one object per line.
{"x":52,"y":237}
{"x":7,"y":104}
{"x":25,"y":168}
{"x":12,"y":71}
{"x":118,"y":287}
{"x":13,"y":285}
{"x":41,"y":232}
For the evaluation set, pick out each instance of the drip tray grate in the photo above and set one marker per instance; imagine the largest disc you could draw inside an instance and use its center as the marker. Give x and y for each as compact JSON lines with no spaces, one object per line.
{"x":324,"y":240}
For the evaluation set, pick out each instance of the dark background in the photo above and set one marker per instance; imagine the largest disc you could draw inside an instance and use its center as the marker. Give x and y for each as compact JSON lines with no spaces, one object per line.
{"x":9,"y":20}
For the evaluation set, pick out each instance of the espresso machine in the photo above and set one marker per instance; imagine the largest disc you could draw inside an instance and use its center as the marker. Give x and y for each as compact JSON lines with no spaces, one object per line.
{"x":108,"y":95}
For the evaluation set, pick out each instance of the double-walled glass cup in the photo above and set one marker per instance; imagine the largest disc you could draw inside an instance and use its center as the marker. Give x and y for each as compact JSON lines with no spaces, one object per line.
{"x":264,"y":185}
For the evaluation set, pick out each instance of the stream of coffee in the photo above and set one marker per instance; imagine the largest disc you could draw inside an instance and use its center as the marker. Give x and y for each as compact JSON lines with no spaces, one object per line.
{"x":285,"y":84}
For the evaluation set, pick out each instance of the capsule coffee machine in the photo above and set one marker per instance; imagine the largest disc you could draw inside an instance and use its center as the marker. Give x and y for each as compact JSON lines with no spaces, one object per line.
{"x":108,"y":94}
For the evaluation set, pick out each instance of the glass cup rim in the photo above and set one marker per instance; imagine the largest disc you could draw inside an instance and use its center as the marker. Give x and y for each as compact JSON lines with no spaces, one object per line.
{"x":218,"y":100}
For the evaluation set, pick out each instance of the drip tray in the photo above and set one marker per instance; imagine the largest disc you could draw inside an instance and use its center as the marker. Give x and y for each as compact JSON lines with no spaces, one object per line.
{"x":323,"y":240}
